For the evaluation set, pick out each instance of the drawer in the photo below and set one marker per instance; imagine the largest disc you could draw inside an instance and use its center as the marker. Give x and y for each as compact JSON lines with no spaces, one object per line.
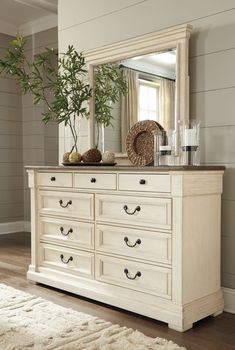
{"x":67,"y":204}
{"x":55,"y":179}
{"x":142,"y":277}
{"x":70,"y":233}
{"x":145,"y":182}
{"x":139,"y":244}
{"x":137,"y":211}
{"x":95,"y":181}
{"x":67,"y":260}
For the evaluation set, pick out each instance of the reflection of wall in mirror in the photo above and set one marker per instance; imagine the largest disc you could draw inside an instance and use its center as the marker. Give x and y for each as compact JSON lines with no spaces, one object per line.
{"x":110,"y":137}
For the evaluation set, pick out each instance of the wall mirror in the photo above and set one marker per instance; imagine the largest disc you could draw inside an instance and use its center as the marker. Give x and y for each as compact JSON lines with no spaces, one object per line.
{"x":155,"y":67}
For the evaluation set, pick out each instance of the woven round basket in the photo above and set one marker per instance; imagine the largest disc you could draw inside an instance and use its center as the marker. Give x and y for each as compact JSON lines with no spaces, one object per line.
{"x":140,"y":142}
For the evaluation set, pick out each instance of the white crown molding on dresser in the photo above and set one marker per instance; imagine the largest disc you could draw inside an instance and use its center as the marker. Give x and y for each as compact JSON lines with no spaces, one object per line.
{"x":8,"y":28}
{"x":39,"y":25}
{"x":229,"y":300}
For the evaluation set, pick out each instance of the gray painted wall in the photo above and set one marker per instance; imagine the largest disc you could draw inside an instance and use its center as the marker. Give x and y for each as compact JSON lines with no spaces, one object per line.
{"x":11,"y":154}
{"x":24,"y":139}
{"x":91,"y":24}
{"x":40,"y":142}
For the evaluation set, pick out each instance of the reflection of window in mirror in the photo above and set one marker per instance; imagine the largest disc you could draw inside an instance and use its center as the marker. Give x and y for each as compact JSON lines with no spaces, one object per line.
{"x":151,"y":95}
{"x":155,"y":76}
{"x":148,"y":100}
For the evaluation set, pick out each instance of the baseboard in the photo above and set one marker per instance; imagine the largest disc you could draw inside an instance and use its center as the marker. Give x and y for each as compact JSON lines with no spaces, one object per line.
{"x":27,"y":226}
{"x":229,"y":300}
{"x":15,"y":226}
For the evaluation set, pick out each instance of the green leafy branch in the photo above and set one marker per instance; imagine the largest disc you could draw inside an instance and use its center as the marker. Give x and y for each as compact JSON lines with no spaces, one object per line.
{"x":61,"y":87}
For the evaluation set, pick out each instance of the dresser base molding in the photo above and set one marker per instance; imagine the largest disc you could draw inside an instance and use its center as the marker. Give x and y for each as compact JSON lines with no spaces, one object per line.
{"x":179,"y":318}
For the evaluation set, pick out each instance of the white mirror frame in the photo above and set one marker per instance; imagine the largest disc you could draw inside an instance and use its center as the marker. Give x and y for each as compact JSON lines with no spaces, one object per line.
{"x":173,"y":37}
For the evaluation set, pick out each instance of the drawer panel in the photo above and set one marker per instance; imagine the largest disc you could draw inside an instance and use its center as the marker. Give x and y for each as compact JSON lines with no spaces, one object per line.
{"x":145,"y":182}
{"x":67,"y":260}
{"x":55,"y":179}
{"x":67,"y":204}
{"x":140,"y":244}
{"x":96,"y":181}
{"x":138,"y":211}
{"x":145,"y":278}
{"x":70,"y":233}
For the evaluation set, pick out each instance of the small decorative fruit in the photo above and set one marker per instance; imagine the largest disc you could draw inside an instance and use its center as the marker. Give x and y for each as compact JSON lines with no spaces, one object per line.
{"x":108,"y":157}
{"x":92,"y":155}
{"x":75,"y":157}
{"x":66,"y":157}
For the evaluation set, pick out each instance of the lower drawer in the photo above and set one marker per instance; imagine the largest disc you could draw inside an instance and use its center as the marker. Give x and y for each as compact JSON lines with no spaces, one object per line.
{"x":139,"y":244}
{"x":67,"y":260}
{"x":67,"y":232}
{"x":142,"y":277}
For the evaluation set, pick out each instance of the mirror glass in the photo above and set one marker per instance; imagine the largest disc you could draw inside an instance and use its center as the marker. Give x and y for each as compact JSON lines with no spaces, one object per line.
{"x":151,"y":91}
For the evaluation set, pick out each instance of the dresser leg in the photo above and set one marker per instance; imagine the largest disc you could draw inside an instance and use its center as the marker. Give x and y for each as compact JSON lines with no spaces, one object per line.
{"x":180,"y":328}
{"x":217,"y":313}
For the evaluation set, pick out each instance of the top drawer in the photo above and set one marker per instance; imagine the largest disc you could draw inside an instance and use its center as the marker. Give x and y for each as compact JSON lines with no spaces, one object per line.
{"x":55,"y":179}
{"x":95,"y":181}
{"x":145,"y":182}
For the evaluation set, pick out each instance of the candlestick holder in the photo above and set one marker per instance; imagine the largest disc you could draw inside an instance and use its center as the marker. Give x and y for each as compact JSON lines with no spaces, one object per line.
{"x":189,"y":142}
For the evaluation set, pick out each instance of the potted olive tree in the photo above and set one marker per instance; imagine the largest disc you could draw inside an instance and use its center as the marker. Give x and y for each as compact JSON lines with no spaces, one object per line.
{"x":63,"y":88}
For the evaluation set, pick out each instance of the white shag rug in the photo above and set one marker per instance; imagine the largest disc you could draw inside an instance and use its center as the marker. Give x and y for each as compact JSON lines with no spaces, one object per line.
{"x":29,"y":322}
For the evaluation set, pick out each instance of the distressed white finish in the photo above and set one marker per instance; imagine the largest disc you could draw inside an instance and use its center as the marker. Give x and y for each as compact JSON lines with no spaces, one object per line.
{"x":178,"y":256}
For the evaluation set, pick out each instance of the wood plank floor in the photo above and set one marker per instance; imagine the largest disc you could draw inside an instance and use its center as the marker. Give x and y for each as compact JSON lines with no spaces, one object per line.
{"x":209,"y":334}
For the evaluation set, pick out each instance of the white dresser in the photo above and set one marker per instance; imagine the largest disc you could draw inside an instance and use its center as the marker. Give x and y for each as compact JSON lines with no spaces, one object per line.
{"x":142,"y":239}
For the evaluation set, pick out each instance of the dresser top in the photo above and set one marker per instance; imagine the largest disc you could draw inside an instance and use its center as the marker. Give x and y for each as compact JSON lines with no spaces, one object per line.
{"x":129,"y":168}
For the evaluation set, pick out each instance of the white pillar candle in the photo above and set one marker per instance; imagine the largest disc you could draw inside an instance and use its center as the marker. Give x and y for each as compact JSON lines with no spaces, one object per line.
{"x":190,"y":137}
{"x":165,"y":148}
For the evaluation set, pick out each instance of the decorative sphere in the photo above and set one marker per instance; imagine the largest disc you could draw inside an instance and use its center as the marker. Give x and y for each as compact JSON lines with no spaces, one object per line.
{"x":93,"y":155}
{"x":75,"y":157}
{"x":66,"y":157}
{"x":108,"y":157}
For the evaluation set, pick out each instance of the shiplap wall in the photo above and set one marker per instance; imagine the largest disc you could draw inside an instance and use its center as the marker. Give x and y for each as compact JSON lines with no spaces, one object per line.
{"x":11,"y":155}
{"x":40,"y":142}
{"x":24,"y":139}
{"x":92,"y":24}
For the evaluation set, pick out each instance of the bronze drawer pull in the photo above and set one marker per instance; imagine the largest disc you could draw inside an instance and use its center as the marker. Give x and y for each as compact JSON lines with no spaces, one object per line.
{"x":53,"y":178}
{"x":66,"y":205}
{"x":142,"y":182}
{"x":131,"y":213}
{"x":93,"y":179}
{"x":65,"y":262}
{"x":126,"y":240}
{"x":64,"y":233}
{"x":138,"y":274}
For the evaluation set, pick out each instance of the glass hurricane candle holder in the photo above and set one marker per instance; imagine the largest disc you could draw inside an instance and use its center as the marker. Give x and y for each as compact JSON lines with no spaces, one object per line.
{"x":167,"y":150}
{"x":189,"y":142}
{"x":159,"y":137}
{"x":164,"y":146}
